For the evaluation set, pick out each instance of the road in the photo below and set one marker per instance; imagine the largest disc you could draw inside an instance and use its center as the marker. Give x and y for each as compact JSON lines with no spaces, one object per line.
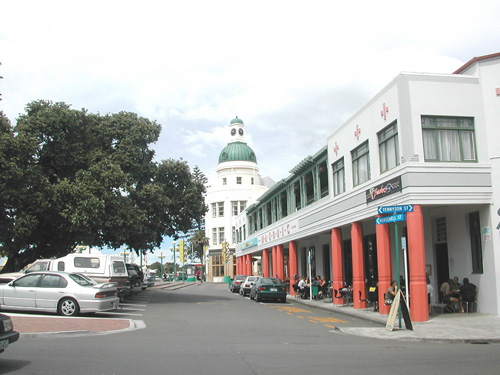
{"x":204,"y":329}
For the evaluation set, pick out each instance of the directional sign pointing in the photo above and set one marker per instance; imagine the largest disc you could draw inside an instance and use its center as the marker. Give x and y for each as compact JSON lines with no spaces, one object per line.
{"x":390,"y":219}
{"x":395,"y":209}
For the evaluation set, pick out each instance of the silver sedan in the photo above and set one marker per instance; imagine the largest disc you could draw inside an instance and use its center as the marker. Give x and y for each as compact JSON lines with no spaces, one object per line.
{"x":65,"y":293}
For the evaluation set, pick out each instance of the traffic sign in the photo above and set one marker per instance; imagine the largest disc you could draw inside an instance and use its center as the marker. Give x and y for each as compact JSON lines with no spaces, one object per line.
{"x":390,"y":219}
{"x":395,"y":209}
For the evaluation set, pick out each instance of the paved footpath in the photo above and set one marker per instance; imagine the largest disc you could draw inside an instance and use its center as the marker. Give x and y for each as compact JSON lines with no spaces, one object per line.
{"x":458,"y":327}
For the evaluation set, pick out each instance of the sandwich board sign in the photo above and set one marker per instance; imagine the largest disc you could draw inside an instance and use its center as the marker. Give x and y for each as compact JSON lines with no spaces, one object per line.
{"x":399,"y":301}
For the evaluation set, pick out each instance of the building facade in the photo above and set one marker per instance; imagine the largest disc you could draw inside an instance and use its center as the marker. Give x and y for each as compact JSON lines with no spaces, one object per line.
{"x":413,"y":176}
{"x":237,"y":186}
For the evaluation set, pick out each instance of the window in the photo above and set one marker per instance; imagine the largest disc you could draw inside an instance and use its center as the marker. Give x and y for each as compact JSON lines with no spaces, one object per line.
{"x":234,"y":235}
{"x":217,"y":266}
{"x":60,"y":266}
{"x":221,"y":235}
{"x":323,"y":179}
{"x":360,"y":164}
{"x":118,"y":266}
{"x":214,"y":236}
{"x":237,"y":207}
{"x":224,"y":181}
{"x":297,"y":192}
{"x":82,"y":262}
{"x":29,"y":281}
{"x":238,"y":180}
{"x":448,"y":138}
{"x":53,"y":281}
{"x":252,"y":181}
{"x":309,"y":187}
{"x":221,"y":209}
{"x":388,"y":147}
{"x":338,"y":177}
{"x":214,"y":209}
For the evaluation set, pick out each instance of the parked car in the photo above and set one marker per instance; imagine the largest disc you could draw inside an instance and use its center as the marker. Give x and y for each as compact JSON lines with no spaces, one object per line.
{"x":134,"y":278}
{"x":102,"y":268}
{"x":247,"y":284}
{"x":149,"y":281}
{"x":7,"y":333}
{"x":268,"y":288}
{"x":236,"y":283}
{"x":65,"y":293}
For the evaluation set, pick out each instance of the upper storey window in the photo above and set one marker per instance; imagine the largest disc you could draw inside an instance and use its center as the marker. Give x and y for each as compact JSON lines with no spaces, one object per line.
{"x":360,"y":164}
{"x":448,"y":138}
{"x":338,"y":177}
{"x":388,"y":147}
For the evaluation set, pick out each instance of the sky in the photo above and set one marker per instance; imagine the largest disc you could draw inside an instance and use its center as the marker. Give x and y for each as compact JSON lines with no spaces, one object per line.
{"x":293,"y":71}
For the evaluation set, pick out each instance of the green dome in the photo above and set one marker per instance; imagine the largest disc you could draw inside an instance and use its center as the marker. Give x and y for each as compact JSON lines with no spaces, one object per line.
{"x":237,"y":151}
{"x":236,"y":120}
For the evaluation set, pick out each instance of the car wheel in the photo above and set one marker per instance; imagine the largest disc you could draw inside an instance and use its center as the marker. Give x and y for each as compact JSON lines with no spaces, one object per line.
{"x":68,"y":307}
{"x":258,"y":298}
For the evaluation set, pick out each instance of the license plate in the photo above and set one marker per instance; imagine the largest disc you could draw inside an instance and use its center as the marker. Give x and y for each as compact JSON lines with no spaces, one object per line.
{"x":274,"y":289}
{"x":4,"y":344}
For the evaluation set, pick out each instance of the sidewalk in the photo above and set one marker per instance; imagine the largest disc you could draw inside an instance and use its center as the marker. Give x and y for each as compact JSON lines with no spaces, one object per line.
{"x":469,"y":328}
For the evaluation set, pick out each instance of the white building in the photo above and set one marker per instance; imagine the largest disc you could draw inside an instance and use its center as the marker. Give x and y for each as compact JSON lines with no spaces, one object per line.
{"x":426,"y":143}
{"x":238,"y":185}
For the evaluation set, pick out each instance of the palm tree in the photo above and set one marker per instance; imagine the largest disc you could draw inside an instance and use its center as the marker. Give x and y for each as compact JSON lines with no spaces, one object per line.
{"x":198,"y":241}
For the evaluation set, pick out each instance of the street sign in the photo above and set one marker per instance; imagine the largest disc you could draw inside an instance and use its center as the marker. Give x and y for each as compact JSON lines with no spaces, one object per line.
{"x":395,"y":209}
{"x":390,"y":219}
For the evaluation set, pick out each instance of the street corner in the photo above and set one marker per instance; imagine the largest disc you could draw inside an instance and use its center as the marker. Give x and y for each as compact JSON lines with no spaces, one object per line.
{"x":35,"y":326}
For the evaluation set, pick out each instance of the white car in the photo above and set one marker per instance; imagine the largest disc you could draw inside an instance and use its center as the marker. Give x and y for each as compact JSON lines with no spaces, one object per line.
{"x":65,"y":293}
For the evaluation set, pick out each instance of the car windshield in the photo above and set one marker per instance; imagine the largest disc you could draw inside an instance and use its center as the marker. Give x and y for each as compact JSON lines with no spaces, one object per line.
{"x":82,"y":280}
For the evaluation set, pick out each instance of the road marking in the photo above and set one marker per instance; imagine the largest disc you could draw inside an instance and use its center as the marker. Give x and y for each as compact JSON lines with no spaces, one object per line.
{"x":132,"y":304}
{"x":119,"y":313}
{"x":329,"y":326}
{"x":327,"y":320}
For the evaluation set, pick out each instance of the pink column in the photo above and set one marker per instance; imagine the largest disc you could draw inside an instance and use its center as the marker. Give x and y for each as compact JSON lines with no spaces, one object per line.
{"x":281,"y":262}
{"x":358,"y":266}
{"x":249,"y":265}
{"x":337,"y":263}
{"x":384,"y":264}
{"x":294,"y":266}
{"x":238,"y":265}
{"x":274,"y":261}
{"x":416,"y":254}
{"x":265,"y":262}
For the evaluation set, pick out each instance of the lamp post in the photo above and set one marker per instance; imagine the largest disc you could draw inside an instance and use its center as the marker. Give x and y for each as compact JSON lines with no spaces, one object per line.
{"x":161,"y":256}
{"x":173,"y":249}
{"x":125,"y":254}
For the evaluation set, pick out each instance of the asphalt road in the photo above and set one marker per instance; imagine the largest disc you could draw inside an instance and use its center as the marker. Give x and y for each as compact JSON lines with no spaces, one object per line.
{"x":204,"y":329}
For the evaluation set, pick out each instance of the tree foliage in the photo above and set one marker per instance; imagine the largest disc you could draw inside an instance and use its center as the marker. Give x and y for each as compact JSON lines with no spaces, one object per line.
{"x":69,"y":177}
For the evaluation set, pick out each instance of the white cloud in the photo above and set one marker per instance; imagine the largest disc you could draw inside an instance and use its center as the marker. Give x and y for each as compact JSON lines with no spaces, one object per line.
{"x":293,"y":71}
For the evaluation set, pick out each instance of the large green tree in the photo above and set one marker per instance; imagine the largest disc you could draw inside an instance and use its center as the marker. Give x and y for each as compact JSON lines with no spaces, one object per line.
{"x":68,"y":177}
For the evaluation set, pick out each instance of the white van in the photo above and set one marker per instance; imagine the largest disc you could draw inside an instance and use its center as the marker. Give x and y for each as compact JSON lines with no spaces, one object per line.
{"x":102,"y":268}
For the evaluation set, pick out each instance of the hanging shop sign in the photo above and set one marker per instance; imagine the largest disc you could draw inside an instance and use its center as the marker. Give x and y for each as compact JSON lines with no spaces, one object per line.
{"x":384,"y":189}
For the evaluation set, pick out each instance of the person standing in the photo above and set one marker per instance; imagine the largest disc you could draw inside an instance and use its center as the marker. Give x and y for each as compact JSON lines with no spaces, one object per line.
{"x":468,"y":292}
{"x":391,"y":293}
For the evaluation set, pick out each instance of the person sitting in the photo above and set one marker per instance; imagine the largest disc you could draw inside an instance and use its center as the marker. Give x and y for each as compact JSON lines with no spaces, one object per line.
{"x":449,"y":295}
{"x":391,"y":293}
{"x":302,"y":287}
{"x":323,"y":288}
{"x":456,"y":283}
{"x":468,"y":293}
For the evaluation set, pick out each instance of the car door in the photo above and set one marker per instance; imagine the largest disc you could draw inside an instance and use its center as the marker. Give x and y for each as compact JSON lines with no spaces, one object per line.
{"x":21,"y":292}
{"x":50,"y":290}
